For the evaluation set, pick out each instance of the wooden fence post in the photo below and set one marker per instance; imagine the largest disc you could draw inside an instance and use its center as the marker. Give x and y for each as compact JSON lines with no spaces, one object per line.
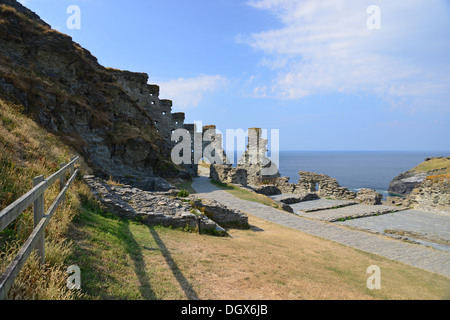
{"x":72,"y":167}
{"x":38,"y":214}
{"x":62,"y":181}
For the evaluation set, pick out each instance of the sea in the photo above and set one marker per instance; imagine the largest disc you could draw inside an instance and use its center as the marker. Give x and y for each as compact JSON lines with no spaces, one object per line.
{"x":354,"y":169}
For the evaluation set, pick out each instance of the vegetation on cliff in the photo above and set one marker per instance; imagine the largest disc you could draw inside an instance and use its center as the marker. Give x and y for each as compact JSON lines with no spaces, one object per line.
{"x":439,"y":166}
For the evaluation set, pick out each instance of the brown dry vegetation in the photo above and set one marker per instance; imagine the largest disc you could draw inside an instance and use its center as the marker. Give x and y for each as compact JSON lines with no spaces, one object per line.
{"x":274,"y":262}
{"x":440,"y":164}
{"x":126,"y":260}
{"x":27,"y":151}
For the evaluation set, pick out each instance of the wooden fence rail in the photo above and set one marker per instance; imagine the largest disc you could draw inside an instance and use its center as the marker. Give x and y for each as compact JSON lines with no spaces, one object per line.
{"x":36,"y":241}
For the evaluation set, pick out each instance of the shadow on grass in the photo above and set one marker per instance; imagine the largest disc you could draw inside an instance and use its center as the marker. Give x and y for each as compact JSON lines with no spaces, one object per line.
{"x":184,"y":284}
{"x":109,"y":230}
{"x":140,"y":268}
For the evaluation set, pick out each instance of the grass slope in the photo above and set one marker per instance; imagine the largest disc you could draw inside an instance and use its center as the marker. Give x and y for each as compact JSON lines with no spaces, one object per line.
{"x":120,"y":259}
{"x":441,"y":164}
{"x":26,"y":151}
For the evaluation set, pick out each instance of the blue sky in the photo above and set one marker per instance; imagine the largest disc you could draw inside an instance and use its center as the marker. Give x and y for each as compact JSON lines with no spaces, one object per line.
{"x":312,"y":69}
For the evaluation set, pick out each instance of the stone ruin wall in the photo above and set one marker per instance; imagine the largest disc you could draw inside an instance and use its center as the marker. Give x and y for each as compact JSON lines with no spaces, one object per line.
{"x":166,"y":122}
{"x":147,"y":96}
{"x":433,"y":195}
{"x":248,"y":173}
{"x":249,"y":167}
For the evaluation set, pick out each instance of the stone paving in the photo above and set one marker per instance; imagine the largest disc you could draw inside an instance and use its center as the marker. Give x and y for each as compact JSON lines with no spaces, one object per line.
{"x":348,"y":212}
{"x":431,"y":229}
{"x":412,"y":254}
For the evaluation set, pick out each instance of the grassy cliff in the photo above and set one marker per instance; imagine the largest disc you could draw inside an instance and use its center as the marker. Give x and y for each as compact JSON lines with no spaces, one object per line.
{"x":438,"y":166}
{"x":26,"y":151}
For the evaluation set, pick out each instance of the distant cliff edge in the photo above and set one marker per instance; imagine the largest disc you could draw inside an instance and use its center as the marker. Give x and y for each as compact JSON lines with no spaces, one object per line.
{"x":406,"y":182}
{"x":425,"y":187}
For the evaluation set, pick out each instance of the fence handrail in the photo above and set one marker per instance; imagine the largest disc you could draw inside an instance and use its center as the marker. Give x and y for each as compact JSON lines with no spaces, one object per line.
{"x":7,"y":279}
{"x":10,"y":213}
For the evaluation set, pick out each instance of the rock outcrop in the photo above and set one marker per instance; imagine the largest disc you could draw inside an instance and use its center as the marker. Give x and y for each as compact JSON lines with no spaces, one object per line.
{"x":406,"y":182}
{"x":220,"y":214}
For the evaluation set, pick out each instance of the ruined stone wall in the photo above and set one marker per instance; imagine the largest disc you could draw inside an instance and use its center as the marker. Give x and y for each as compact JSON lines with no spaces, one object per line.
{"x":212,"y":149}
{"x":433,"y":194}
{"x":228,"y":174}
{"x":147,"y":96}
{"x":160,"y":110}
{"x":255,"y":161}
{"x":325,"y":186}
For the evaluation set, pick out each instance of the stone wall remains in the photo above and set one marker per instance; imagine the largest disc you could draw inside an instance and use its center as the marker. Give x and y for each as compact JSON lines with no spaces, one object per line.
{"x":433,"y":194}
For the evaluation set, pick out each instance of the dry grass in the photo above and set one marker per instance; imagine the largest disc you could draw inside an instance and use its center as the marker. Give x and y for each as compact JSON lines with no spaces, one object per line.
{"x":127,"y":260}
{"x":204,"y":163}
{"x":274,"y":262}
{"x":437,"y":163}
{"x":26,"y":151}
{"x":438,"y":178}
{"x":248,"y":195}
{"x":113,"y":182}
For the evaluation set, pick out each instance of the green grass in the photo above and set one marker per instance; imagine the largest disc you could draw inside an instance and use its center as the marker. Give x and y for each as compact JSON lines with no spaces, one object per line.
{"x":434,"y":164}
{"x":113,"y":255}
{"x":187,"y":185}
{"x":247,"y":195}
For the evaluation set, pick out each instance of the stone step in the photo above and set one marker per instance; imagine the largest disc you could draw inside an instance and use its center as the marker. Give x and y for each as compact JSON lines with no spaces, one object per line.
{"x":354,"y":211}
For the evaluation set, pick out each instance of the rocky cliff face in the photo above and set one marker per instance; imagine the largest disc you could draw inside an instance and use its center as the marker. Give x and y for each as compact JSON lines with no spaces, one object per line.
{"x":64,"y":88}
{"x":406,"y":182}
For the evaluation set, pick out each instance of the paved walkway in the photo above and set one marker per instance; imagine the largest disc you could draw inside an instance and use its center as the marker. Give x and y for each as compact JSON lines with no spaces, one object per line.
{"x":433,"y":229}
{"x":411,"y":254}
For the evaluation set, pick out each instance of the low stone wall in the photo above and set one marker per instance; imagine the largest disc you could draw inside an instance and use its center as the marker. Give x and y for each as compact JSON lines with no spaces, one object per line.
{"x":160,"y":208}
{"x":222,"y":215}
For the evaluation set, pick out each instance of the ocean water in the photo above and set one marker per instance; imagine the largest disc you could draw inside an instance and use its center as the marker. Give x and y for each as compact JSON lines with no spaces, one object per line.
{"x":354,"y":169}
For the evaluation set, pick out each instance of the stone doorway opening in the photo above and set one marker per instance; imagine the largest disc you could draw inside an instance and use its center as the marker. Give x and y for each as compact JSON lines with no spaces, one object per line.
{"x":204,"y":167}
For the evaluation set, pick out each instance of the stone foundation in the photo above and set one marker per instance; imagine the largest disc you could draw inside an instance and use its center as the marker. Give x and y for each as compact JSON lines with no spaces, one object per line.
{"x":222,"y":215}
{"x":164,"y":208}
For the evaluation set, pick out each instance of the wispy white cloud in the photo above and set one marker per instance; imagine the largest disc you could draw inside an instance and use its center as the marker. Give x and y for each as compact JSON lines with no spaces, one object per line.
{"x":189,"y":92}
{"x":325,"y":46}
